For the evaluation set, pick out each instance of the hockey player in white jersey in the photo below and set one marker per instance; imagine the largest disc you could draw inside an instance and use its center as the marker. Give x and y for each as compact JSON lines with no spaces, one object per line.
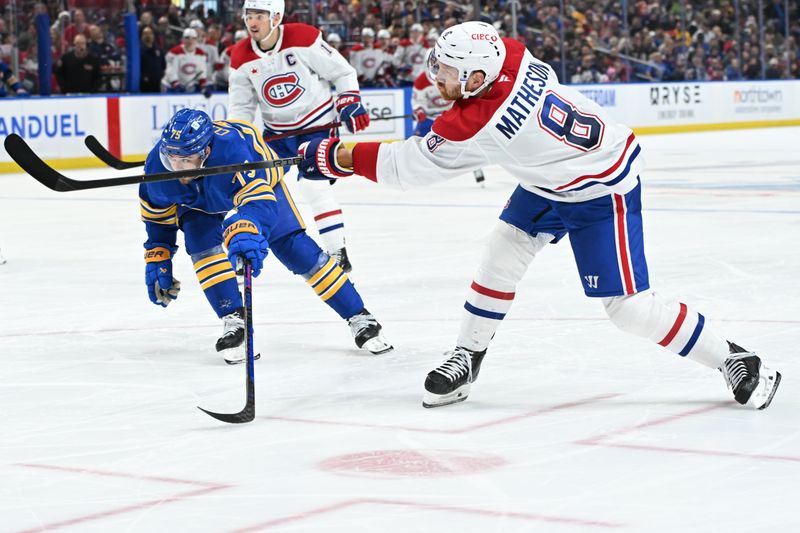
{"x":578,"y":174}
{"x":187,"y":68}
{"x":286,"y":72}
{"x":410,"y":56}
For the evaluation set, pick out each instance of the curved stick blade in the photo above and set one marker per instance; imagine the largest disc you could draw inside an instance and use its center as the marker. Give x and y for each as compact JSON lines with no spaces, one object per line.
{"x":245,"y":415}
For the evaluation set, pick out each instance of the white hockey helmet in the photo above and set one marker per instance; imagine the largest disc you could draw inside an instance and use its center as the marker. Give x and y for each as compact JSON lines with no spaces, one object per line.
{"x":275,"y":7}
{"x":367,"y":32}
{"x":384,"y":34}
{"x":334,"y":37}
{"x":469,"y":47}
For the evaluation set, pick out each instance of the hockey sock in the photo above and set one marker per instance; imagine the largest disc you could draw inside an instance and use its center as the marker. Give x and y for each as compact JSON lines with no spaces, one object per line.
{"x":504,"y":262}
{"x":327,"y":212}
{"x":218,"y":280}
{"x":671,"y":324}
{"x":332,"y":285}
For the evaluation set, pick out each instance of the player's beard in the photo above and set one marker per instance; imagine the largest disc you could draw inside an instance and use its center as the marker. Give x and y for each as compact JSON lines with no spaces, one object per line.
{"x":449,"y":95}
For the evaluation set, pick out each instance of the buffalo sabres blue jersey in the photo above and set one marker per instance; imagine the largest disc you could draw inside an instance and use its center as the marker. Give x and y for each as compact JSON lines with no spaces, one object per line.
{"x":251,"y":193}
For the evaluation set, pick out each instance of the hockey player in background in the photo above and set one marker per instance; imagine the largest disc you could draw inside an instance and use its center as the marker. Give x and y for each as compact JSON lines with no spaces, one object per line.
{"x":286,"y":73}
{"x":579,"y":175}
{"x":410,"y":56}
{"x":261,"y":215}
{"x":186,"y":66}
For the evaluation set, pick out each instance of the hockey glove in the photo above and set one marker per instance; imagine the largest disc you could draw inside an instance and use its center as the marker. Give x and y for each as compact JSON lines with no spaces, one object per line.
{"x":352,"y":112}
{"x":319,"y":159}
{"x":243,"y":238}
{"x":162,"y":288}
{"x":419,"y":114}
{"x":423,"y":127}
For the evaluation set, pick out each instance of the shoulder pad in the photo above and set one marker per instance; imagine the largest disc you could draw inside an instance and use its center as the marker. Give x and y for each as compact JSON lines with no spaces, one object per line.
{"x":241,"y":53}
{"x":298,"y":35}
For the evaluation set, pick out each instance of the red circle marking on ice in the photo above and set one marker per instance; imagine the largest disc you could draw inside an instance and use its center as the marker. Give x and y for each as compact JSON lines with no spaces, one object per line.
{"x":413,"y":463}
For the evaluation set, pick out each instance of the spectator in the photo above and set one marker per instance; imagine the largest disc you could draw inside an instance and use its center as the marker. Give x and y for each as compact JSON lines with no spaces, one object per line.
{"x":9,"y":81}
{"x":78,"y":26}
{"x":153,"y":63}
{"x":78,"y":71}
{"x":109,"y":58}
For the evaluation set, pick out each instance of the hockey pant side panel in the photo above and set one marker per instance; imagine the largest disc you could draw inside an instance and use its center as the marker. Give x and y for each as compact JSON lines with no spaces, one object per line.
{"x":669,"y":323}
{"x":203,"y":236}
{"x":505,"y":259}
{"x":300,"y":254}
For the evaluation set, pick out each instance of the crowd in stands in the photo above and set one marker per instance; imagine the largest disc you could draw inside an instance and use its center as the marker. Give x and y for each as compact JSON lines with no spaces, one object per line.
{"x":592,"y":41}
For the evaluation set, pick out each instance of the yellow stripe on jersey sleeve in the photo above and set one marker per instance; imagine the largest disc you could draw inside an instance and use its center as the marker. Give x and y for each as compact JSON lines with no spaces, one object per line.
{"x":158,"y":215}
{"x":255,"y":190}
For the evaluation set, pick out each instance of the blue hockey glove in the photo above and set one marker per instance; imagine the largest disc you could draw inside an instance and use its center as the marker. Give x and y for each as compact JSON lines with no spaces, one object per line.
{"x":319,"y":160}
{"x":162,"y":288}
{"x":352,"y":112}
{"x":243,"y":238}
{"x":423,"y":127}
{"x":207,"y":91}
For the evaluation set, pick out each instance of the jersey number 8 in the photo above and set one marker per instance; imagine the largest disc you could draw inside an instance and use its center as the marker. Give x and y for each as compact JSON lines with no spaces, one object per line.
{"x":566,"y":123}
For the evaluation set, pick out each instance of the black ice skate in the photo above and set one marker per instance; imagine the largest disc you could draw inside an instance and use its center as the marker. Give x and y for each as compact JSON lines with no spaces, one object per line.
{"x":340,"y":256}
{"x":367,"y":333}
{"x":231,"y":344}
{"x":752,"y":383}
{"x":450,"y":382}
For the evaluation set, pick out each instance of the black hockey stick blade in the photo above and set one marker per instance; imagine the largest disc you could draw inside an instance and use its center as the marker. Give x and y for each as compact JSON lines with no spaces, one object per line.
{"x":107,"y":157}
{"x":26,"y":158}
{"x":248,"y":413}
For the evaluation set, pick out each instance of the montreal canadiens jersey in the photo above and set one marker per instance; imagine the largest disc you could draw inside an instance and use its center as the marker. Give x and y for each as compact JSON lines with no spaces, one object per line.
{"x":426,"y":96}
{"x":162,"y":203}
{"x":370,"y":63}
{"x":187,"y":68}
{"x":411,"y":55}
{"x":290,"y":84}
{"x":555,"y":141}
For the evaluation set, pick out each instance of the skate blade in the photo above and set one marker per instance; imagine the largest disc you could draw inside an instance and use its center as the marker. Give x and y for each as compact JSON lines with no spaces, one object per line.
{"x":256,"y":357}
{"x":377,"y":346}
{"x":432,"y":400}
{"x":772,"y":392}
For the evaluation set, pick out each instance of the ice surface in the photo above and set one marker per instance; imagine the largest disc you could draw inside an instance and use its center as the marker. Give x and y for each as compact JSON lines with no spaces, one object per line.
{"x":573,"y":425}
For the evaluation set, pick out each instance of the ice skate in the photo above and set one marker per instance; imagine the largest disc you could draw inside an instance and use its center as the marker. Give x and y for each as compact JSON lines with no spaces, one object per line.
{"x":752,"y":383}
{"x":340,"y":256}
{"x":367,"y":333}
{"x":450,"y":382}
{"x":231,"y":344}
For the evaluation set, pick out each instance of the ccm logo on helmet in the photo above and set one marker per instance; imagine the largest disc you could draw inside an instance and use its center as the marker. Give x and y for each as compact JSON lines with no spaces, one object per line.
{"x":483,"y":37}
{"x":282,"y":90}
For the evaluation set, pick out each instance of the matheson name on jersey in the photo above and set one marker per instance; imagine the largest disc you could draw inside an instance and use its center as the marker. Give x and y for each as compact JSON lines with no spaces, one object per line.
{"x":529,"y":92}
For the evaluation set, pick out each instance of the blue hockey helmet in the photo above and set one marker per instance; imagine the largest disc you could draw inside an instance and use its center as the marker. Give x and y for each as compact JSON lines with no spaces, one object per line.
{"x":188,"y":132}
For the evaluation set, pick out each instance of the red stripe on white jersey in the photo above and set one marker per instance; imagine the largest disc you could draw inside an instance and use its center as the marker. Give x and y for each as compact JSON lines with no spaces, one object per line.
{"x":480,"y":289}
{"x":302,"y":122}
{"x":328,"y":214}
{"x":623,"y":249}
{"x":606,"y":172}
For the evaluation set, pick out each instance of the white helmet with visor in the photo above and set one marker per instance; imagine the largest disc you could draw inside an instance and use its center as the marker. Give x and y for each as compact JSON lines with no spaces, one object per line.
{"x":469,"y":47}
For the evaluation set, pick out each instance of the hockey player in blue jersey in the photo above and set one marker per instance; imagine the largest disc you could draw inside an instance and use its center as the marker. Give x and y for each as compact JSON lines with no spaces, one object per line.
{"x":9,"y":81}
{"x":246,"y":213}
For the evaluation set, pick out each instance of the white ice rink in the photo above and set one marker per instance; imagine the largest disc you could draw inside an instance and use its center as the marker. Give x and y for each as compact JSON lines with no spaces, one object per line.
{"x":573,"y":425}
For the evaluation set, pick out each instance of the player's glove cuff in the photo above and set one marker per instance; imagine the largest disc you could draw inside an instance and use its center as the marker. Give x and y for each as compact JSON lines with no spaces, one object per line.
{"x":319,"y":159}
{"x":238,"y":227}
{"x":156,"y":254}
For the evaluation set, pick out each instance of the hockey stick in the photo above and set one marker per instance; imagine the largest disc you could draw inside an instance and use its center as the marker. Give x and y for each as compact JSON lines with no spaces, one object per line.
{"x":107,"y":157}
{"x":113,"y":161}
{"x":248,"y":412}
{"x":25,"y":157}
